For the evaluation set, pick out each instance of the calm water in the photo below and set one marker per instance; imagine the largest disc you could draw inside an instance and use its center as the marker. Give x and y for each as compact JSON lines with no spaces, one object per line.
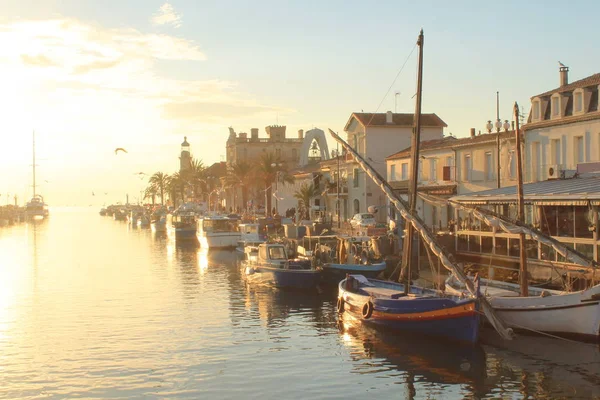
{"x":90,"y":308}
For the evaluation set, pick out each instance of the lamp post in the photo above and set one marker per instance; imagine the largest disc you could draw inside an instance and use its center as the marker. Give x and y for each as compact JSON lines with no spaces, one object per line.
{"x":278,"y":166}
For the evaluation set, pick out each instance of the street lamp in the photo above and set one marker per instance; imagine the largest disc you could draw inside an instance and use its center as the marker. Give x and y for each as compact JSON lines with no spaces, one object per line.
{"x":278,"y":166}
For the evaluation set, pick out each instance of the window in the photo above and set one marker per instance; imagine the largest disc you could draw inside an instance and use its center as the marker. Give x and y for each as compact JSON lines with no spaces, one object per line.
{"x":420,"y":170}
{"x":536,"y":110}
{"x":433,"y":169}
{"x":578,"y":145}
{"x":467,"y":168}
{"x":393,"y":172}
{"x":355,"y":140}
{"x":404,"y":171}
{"x":450,"y":164}
{"x":578,"y":102}
{"x":555,"y":148}
{"x":356,"y":206}
{"x":489,"y":166}
{"x":355,"y":177}
{"x":555,"y":106}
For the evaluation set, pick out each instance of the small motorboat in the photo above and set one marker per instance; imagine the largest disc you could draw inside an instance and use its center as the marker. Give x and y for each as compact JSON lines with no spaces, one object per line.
{"x":268,"y":264}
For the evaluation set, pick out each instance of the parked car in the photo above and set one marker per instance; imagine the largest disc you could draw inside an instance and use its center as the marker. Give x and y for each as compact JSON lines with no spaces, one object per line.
{"x":363,"y":220}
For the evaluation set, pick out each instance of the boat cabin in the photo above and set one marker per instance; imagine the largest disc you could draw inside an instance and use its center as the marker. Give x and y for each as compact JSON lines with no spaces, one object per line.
{"x":182,"y":220}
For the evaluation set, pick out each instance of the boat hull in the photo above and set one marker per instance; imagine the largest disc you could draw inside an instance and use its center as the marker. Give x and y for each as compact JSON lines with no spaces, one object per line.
{"x":182,"y":234}
{"x":221,"y":240}
{"x":571,"y":314}
{"x":334,"y":273}
{"x":158,"y":226}
{"x":283,"y":278}
{"x":441,"y":317}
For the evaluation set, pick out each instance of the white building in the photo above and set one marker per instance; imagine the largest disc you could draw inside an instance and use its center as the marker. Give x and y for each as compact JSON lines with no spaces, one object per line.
{"x":563,"y":129}
{"x":374,"y":137}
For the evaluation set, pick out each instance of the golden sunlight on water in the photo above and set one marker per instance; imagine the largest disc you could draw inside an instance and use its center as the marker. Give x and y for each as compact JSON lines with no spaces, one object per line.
{"x":91,"y":308}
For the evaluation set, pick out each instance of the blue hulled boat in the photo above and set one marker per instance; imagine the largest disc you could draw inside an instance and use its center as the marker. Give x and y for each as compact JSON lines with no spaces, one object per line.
{"x":268,"y":264}
{"x":425,"y":311}
{"x":341,"y":255}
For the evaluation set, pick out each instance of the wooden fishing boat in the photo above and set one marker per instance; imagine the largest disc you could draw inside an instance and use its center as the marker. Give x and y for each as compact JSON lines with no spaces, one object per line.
{"x":550,"y":311}
{"x":424,"y":311}
{"x":217,"y":232}
{"x":268,"y":264}
{"x":341,"y":255}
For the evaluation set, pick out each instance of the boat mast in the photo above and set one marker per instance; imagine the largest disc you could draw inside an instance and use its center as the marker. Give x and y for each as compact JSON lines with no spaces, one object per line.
{"x":34,"y":163}
{"x":414,"y":160}
{"x":521,"y":209}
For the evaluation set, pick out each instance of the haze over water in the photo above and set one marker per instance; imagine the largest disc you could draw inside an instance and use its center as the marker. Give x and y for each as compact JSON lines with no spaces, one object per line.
{"x":91,"y":308}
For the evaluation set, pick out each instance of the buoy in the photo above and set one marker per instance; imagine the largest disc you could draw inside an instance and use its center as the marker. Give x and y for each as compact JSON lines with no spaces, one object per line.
{"x":367,"y":310}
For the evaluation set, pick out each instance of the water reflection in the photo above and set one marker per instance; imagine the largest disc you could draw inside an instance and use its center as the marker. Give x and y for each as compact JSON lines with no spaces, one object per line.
{"x":422,"y":362}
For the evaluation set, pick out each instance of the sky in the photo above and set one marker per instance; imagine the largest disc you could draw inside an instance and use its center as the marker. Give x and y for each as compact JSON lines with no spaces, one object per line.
{"x":91,"y":76}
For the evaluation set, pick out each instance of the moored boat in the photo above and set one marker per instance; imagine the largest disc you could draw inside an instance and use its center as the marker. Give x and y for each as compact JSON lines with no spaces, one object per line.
{"x":424,"y":311}
{"x":268,"y":264}
{"x":181,"y":224}
{"x":36,"y":208}
{"x":544,"y":310}
{"x":341,"y":255}
{"x":217,"y":232}
{"x":250,"y":235}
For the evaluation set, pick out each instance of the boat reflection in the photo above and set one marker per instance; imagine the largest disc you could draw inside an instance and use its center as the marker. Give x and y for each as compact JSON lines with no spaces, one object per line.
{"x":421,"y":359}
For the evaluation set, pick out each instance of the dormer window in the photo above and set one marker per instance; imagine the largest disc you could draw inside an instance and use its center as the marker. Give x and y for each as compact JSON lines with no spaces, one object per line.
{"x":536,"y":110}
{"x":555,"y":107}
{"x":578,"y":102}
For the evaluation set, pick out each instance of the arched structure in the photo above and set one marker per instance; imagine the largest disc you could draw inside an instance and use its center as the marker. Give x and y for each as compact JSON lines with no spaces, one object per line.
{"x":319,"y":136}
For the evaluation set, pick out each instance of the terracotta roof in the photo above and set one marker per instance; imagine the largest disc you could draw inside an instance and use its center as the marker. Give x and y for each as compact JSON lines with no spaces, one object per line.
{"x":452,"y":142}
{"x":592,"y":80}
{"x":398,"y":119}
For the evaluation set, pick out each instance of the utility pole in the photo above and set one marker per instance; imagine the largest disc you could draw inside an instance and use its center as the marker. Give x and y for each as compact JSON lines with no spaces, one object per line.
{"x":414,"y":154}
{"x":521,"y":209}
{"x":337,"y":200}
{"x":498,"y":138}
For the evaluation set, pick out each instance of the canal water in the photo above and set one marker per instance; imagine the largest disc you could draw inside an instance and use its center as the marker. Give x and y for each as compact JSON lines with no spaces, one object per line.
{"x":91,"y":308}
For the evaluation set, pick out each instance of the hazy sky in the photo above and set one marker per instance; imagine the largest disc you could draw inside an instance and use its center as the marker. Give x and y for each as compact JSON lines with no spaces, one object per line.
{"x":90,"y":76}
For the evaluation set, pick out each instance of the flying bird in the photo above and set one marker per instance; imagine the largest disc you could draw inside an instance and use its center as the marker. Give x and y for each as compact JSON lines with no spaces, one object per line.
{"x":120,"y":148}
{"x":139,"y":173}
{"x":93,"y":194}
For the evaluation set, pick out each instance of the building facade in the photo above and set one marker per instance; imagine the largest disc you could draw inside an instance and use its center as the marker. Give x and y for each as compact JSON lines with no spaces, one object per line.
{"x":373,"y":136}
{"x":563,"y":129}
{"x":451,"y":166}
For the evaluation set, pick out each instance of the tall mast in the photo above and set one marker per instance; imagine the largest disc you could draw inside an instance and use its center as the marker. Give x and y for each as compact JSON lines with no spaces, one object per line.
{"x":34,"y":163}
{"x":414,"y":159}
{"x":521,"y":208}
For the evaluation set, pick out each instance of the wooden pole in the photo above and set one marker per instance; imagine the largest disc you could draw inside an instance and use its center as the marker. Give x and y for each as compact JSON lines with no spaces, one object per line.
{"x":521,"y":208}
{"x":414,"y":159}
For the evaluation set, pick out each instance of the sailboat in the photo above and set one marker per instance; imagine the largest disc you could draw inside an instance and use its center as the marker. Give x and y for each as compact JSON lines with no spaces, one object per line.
{"x":36,"y":208}
{"x":403,"y":306}
{"x":538,"y":310}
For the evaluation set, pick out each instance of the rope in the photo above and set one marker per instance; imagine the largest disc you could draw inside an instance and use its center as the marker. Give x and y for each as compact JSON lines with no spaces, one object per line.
{"x":394,"y":81}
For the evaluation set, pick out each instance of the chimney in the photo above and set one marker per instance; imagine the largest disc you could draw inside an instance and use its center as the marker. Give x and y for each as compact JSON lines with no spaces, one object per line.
{"x":564,"y":74}
{"x":300,"y":133}
{"x":472,"y":132}
{"x":254,"y":133}
{"x":389,"y":118}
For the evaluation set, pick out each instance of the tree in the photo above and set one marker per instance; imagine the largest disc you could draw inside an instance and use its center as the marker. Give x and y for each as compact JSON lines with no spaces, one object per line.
{"x":239,"y":175}
{"x":306,"y":192}
{"x":195,"y":176}
{"x":177,"y":183}
{"x":150,"y":193}
{"x":160,"y":181}
{"x":269,"y":169}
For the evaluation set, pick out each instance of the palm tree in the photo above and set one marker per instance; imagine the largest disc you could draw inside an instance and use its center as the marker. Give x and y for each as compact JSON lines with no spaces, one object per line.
{"x":196,"y":176}
{"x":177,"y":183}
{"x":150,"y":193}
{"x":239,"y":175}
{"x":269,"y":169}
{"x":159,"y":181}
{"x":306,"y":192}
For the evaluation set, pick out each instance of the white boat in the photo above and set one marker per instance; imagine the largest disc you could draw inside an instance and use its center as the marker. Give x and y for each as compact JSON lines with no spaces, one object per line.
{"x":217,"y":232}
{"x":36,"y":208}
{"x":181,"y":223}
{"x":250,"y":236}
{"x":549,"y":311}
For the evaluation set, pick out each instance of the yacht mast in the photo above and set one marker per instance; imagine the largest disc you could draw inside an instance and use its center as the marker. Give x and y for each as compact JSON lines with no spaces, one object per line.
{"x":414,"y":160}
{"x":521,"y":209}
{"x":34,"y":163}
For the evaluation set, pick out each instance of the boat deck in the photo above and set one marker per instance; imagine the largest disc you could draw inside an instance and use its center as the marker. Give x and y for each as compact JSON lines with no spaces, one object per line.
{"x":387,"y":293}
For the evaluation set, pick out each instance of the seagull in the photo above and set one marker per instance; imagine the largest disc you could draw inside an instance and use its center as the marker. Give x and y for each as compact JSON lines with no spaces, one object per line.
{"x":139,"y":173}
{"x":120,"y":148}
{"x":93,"y":194}
{"x":561,"y":64}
